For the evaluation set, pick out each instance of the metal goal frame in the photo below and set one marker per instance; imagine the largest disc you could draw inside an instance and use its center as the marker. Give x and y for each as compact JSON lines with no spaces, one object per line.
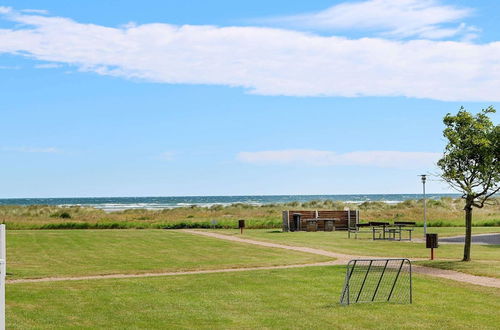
{"x":377,"y":280}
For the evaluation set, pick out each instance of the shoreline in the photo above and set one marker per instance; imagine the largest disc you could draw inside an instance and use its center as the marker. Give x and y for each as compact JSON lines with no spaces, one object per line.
{"x":114,"y":204}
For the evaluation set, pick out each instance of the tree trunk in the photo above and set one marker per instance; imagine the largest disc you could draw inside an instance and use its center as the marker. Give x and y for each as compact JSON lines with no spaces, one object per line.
{"x":468,"y":231}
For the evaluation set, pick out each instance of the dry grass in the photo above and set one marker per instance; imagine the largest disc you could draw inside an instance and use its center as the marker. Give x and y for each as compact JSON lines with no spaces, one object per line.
{"x":442,"y":212}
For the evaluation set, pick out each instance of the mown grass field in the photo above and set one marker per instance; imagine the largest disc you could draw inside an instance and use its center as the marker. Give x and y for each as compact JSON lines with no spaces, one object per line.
{"x":263,"y":299}
{"x":305,"y":298}
{"x":486,"y":258}
{"x":59,"y":253}
{"x":445,"y":212}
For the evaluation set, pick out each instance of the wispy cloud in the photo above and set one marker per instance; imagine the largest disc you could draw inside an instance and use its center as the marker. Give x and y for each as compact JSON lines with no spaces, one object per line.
{"x":265,"y":61}
{"x":33,"y":149}
{"x":167,"y":155}
{"x":10,"y":67}
{"x":48,"y":66}
{"x":35,"y":11}
{"x":389,"y":159}
{"x":427,"y":19}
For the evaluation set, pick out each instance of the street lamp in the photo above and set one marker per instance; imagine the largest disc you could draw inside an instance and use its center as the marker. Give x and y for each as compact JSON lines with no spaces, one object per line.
{"x":424,"y":177}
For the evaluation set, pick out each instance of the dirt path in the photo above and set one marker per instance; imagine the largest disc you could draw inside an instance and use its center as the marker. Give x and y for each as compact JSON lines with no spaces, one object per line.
{"x":341,"y":259}
{"x":344,"y":258}
{"x":208,"y":271}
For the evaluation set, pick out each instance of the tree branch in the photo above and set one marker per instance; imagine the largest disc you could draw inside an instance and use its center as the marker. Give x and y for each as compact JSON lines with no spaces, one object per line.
{"x":485,"y":198}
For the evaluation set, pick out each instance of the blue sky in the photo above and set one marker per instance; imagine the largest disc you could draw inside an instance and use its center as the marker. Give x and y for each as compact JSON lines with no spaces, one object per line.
{"x":172,"y":98}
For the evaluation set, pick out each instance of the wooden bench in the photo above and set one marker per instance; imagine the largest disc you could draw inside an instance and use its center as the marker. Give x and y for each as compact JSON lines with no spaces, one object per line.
{"x":358,"y":228}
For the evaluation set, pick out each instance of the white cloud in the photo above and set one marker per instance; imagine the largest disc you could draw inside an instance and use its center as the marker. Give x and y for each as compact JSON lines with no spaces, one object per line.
{"x":398,"y":18}
{"x":264,"y":61}
{"x":5,"y":10}
{"x":48,"y":66}
{"x":35,"y":11}
{"x":33,"y":149}
{"x":388,"y":159}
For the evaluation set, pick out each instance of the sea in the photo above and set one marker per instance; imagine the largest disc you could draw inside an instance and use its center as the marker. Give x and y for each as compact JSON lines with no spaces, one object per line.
{"x":111,"y":204}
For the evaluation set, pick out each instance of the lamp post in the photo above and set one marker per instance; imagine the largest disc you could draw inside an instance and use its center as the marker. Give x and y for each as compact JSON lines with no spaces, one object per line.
{"x":424,"y":177}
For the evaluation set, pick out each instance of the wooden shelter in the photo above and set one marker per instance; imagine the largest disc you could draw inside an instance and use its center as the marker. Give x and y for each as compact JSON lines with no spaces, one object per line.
{"x":324,"y":220}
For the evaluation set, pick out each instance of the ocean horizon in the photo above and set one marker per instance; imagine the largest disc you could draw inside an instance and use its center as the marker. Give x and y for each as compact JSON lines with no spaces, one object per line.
{"x":169,"y":202}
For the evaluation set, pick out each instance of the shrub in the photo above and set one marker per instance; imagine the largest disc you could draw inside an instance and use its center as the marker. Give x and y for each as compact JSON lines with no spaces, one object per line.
{"x":216,"y":207}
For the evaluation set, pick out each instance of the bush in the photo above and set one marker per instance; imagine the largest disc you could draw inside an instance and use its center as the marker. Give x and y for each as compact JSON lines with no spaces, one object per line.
{"x":65,"y":215}
{"x":62,"y":215}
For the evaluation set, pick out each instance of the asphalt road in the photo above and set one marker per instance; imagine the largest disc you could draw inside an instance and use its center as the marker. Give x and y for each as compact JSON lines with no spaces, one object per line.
{"x":476,"y":239}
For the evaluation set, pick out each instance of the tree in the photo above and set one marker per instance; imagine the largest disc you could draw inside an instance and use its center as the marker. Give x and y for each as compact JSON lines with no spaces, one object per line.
{"x":471,"y":161}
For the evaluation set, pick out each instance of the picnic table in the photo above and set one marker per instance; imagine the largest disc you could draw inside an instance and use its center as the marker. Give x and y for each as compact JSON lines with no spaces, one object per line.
{"x":379,"y":228}
{"x":384,"y":230}
{"x":402,"y":226}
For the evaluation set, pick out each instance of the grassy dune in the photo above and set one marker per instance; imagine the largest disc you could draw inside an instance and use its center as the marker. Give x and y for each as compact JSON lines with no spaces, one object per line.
{"x":441,"y":213}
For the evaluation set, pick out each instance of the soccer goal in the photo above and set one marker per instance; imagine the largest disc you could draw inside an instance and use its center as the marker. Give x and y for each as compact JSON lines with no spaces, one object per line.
{"x":377,"y":280}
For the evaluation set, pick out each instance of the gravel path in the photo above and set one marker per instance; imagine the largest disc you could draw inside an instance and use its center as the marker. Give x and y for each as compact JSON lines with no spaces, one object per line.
{"x":344,"y":258}
{"x":340,"y":259}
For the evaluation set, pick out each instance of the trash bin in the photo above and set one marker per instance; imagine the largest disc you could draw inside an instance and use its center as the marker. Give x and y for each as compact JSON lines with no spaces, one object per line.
{"x":431,"y":241}
{"x":329,"y":225}
{"x":312,"y":225}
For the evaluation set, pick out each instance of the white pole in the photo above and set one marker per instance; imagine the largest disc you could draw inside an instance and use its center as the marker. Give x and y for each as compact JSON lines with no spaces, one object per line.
{"x":425,"y":206}
{"x":3,"y":270}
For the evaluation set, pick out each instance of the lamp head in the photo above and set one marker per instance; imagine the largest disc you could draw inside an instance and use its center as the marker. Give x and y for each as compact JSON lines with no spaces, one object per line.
{"x":424,"y":177}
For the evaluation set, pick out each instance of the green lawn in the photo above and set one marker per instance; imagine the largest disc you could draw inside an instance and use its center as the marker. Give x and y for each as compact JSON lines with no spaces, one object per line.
{"x":33,"y":254}
{"x":305,"y":298}
{"x":476,"y":267}
{"x":486,"y":257}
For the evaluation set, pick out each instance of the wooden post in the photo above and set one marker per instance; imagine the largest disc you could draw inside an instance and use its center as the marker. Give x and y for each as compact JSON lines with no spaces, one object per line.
{"x":286,"y":221}
{"x":241,"y":224}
